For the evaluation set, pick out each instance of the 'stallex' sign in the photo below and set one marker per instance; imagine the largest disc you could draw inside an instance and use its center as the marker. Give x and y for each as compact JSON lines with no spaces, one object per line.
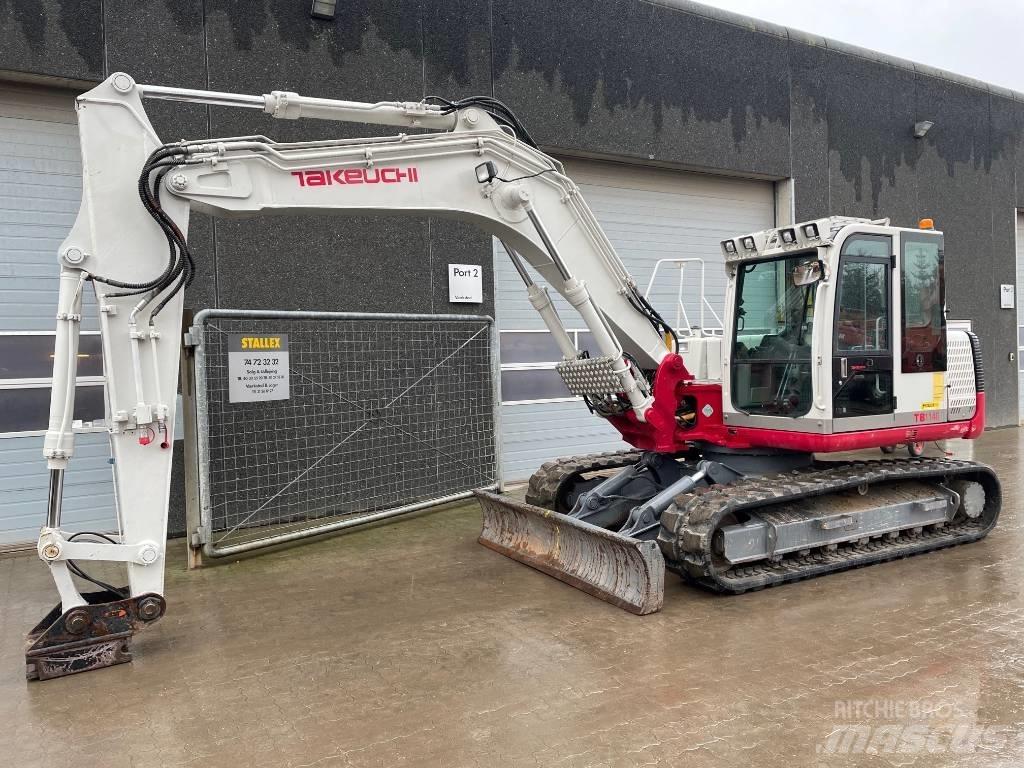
{"x":257,"y":367}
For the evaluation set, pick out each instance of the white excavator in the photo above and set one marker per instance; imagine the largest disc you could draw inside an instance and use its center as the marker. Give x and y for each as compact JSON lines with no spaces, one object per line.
{"x":835,"y":340}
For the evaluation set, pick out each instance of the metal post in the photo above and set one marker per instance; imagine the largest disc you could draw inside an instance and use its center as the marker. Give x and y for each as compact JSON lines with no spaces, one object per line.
{"x":205,"y":527}
{"x":499,"y":474}
{"x":191,"y":452}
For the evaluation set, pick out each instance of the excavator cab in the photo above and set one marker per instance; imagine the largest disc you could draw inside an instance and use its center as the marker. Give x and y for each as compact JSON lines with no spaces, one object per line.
{"x":838,"y":326}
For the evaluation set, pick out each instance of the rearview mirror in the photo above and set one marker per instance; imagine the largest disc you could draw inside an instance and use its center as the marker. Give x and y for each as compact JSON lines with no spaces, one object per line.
{"x":807,"y":273}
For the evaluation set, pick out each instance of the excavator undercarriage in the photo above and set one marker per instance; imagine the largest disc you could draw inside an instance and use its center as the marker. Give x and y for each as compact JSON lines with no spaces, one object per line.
{"x":731,"y":531}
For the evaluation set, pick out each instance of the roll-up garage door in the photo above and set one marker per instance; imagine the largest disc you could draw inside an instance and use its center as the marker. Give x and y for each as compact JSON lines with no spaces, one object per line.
{"x":40,"y":187}
{"x":649,"y":215}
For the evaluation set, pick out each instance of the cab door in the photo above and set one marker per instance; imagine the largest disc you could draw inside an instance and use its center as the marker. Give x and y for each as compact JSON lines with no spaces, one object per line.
{"x":862,"y":362}
{"x":921,"y":396}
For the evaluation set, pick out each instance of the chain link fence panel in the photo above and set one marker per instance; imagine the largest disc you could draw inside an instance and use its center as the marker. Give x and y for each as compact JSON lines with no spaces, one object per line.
{"x":379,"y":415}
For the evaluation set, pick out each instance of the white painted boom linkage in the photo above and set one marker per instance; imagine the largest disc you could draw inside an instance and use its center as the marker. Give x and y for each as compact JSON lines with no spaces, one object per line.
{"x":537,"y":213}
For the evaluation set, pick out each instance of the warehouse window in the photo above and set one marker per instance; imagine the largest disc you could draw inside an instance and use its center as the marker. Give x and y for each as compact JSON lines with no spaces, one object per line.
{"x":528,"y":360}
{"x":924,"y":299}
{"x":26,"y":371}
{"x":525,"y":347}
{"x":532,"y":386}
{"x":26,"y":409}
{"x":30,"y":356}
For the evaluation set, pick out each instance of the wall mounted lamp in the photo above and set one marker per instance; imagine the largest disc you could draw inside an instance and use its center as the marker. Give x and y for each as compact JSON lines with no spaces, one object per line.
{"x":323,"y":9}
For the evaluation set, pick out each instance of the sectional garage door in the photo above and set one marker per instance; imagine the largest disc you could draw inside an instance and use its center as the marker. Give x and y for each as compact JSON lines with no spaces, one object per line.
{"x":1020,"y":317}
{"x":40,"y":187}
{"x":648,"y":214}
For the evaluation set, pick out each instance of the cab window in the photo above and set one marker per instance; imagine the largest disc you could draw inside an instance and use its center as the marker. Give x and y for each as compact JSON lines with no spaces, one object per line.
{"x":923,"y":322}
{"x":771,"y":370}
{"x":863,"y":317}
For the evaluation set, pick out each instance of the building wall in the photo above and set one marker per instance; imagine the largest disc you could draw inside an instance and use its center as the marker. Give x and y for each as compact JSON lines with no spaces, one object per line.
{"x":667,"y":83}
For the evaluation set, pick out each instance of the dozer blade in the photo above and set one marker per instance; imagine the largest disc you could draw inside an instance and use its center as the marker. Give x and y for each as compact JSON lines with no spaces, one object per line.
{"x":620,"y":570}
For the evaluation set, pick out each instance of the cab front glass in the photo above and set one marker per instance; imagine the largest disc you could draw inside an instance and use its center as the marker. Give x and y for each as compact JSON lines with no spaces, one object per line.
{"x":771,"y":359}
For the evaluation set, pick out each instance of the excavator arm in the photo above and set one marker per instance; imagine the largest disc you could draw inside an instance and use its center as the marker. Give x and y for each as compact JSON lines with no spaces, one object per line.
{"x":468,"y":161}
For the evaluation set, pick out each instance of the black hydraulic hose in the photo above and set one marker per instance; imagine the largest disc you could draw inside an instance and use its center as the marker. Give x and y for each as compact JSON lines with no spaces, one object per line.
{"x":180,"y":269}
{"x":167,"y":273}
{"x":183,"y":263}
{"x":186,"y":262}
{"x":184,"y":282}
{"x":156,"y":160}
{"x":492,"y":106}
{"x":644,"y":307}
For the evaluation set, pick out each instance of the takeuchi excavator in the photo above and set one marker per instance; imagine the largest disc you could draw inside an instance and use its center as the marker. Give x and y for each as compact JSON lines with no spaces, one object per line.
{"x":835,"y":340}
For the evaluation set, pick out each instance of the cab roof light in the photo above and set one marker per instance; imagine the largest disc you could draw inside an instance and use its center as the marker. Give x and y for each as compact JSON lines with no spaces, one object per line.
{"x":811,"y":231}
{"x":729,"y":246}
{"x":926,"y":224}
{"x":748,"y":243}
{"x":788,"y":235}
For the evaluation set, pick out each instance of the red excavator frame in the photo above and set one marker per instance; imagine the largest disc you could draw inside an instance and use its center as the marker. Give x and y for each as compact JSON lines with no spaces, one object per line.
{"x":673,"y":382}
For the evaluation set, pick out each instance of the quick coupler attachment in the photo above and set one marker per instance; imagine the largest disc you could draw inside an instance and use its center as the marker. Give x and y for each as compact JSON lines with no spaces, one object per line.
{"x":89,"y":636}
{"x":621,"y":570}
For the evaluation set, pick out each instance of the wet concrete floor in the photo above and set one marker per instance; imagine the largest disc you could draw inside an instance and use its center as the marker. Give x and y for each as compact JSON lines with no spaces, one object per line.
{"x":411,"y":645}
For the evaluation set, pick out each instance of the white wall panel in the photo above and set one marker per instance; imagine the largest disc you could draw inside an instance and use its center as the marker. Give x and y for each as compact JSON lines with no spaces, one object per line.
{"x":40,"y":188}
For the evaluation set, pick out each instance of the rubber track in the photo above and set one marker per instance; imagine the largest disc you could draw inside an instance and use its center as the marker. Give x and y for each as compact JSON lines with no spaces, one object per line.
{"x":545,"y":482}
{"x":689,"y":523}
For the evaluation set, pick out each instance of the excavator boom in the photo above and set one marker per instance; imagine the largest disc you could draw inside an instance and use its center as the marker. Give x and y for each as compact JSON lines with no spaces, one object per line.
{"x":129,"y":243}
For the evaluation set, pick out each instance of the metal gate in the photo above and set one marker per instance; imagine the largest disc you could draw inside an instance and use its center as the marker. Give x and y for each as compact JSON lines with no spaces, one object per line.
{"x":384,"y":414}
